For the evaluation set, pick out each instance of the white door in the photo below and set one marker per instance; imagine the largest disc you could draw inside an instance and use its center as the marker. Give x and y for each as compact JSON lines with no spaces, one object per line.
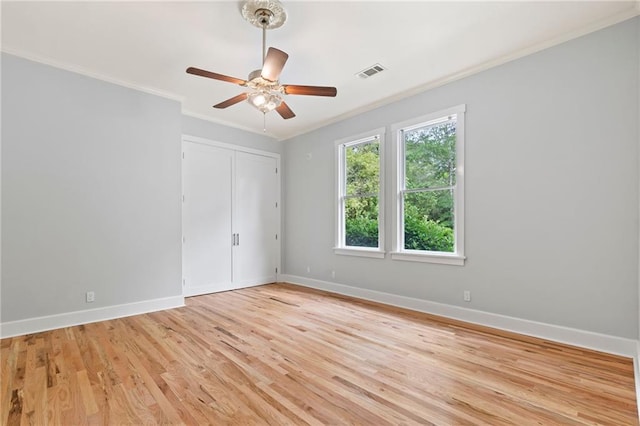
{"x":206,"y":218}
{"x":255,"y":220}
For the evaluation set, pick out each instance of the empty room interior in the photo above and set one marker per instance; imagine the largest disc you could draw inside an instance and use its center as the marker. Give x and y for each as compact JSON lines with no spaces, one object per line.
{"x":320,"y":212}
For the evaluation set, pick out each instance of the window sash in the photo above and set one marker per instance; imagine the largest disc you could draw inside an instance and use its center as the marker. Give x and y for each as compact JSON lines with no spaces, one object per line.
{"x":457,"y":114}
{"x":404,"y":190}
{"x":371,"y":194}
{"x":434,"y":188}
{"x":343,"y":190}
{"x":377,"y":137}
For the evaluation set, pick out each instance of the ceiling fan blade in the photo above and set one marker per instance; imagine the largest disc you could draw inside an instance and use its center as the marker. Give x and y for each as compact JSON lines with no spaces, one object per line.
{"x":241,"y":97}
{"x":215,"y":76}
{"x":284,"y":111}
{"x":291,"y":89}
{"x":273,"y":64}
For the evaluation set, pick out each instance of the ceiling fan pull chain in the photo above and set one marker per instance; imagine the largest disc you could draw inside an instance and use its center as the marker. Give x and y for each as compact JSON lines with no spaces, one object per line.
{"x":264,"y":122}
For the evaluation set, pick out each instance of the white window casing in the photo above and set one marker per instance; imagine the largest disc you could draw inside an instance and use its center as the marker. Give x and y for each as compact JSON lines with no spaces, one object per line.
{"x":398,"y":162}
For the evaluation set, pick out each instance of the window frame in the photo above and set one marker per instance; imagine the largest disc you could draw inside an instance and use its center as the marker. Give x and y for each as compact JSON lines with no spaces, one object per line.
{"x":398,"y":251}
{"x":340,"y":246}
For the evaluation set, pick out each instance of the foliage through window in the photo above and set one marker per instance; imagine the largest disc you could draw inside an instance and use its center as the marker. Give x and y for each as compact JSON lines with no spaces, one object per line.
{"x":359,"y":191}
{"x":430,"y":164}
{"x":429,"y":185}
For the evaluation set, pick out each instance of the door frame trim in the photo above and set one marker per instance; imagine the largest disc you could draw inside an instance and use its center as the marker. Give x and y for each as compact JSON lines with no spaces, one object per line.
{"x":210,"y":142}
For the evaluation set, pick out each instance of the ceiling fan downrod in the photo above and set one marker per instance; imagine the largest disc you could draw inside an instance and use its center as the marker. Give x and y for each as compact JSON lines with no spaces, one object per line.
{"x":264,"y":17}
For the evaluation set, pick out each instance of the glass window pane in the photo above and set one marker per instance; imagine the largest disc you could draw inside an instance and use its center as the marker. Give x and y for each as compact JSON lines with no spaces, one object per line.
{"x":363,"y":168}
{"x":428,"y":221}
{"x":430,"y":156}
{"x":361,"y":222}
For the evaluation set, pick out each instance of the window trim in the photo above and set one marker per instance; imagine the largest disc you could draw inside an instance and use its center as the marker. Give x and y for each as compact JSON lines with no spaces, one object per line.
{"x":340,"y":170}
{"x":398,"y":252}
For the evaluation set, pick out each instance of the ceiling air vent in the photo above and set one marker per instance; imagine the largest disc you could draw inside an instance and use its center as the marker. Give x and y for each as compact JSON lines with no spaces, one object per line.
{"x":371,"y":71}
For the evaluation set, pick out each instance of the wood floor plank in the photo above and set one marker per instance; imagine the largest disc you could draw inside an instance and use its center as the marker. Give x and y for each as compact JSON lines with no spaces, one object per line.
{"x":285,"y":355}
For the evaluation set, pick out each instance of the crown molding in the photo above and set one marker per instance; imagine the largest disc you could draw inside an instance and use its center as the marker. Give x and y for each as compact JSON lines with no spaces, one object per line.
{"x":87,"y":73}
{"x":595,"y":26}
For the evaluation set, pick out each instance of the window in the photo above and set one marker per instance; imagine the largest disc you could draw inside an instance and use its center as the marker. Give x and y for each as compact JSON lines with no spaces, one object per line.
{"x":360,"y":205}
{"x":429,"y":199}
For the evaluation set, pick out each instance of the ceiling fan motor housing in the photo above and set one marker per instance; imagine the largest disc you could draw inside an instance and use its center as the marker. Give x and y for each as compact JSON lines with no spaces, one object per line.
{"x":254,"y":74}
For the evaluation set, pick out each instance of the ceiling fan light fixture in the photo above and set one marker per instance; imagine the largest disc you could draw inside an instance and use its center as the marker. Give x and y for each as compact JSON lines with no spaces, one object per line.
{"x":264,"y":101}
{"x":265,"y":91}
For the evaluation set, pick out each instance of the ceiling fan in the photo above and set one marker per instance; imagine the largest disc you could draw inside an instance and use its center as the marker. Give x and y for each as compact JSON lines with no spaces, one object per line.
{"x":265,"y":92}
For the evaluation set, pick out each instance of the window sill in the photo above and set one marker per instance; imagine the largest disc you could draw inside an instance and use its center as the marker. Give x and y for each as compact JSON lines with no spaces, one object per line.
{"x":442,"y":258}
{"x":361,"y":252}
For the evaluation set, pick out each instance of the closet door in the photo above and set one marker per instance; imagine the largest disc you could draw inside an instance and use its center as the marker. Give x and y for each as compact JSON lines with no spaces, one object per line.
{"x":255,"y":220}
{"x":206,"y":218}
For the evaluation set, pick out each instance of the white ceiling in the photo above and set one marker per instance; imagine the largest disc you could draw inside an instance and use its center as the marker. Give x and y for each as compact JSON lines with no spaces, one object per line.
{"x":149,"y":45}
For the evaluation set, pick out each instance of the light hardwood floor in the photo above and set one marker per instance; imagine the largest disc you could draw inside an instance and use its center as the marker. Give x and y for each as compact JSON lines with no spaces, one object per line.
{"x":281,"y":354}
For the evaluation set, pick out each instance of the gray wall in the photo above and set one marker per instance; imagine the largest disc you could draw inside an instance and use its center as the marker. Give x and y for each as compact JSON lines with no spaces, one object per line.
{"x":90,"y":192}
{"x":91,"y":184}
{"x":551,"y":190}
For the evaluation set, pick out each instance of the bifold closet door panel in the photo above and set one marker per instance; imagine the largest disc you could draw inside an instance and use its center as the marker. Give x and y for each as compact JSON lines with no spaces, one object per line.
{"x":207,"y":218}
{"x":255,"y":219}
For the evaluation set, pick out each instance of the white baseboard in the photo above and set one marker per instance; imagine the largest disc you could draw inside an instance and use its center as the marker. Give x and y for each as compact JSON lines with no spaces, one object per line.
{"x":585,"y":339}
{"x":51,"y":322}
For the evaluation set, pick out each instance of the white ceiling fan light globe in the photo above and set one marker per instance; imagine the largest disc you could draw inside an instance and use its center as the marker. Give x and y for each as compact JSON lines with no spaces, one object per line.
{"x":265,"y":101}
{"x":257,"y":99}
{"x":273,"y":102}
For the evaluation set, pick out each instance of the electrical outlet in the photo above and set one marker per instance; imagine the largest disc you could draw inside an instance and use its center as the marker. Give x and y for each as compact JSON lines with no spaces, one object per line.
{"x":467,"y":296}
{"x":308,"y":269}
{"x":333,"y":275}
{"x":91,"y":296}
